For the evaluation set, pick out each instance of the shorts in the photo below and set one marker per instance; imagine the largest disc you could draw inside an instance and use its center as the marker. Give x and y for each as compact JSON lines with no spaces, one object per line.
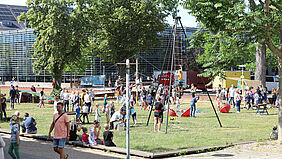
{"x":60,"y":143}
{"x":85,"y":115}
{"x":157,"y":114}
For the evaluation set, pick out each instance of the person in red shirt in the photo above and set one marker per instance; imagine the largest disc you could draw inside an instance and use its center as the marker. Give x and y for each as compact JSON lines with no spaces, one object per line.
{"x":84,"y":137}
{"x":61,"y":126}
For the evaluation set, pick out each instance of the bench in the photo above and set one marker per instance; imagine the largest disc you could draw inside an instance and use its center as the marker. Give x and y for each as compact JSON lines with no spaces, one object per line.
{"x":261,"y":107}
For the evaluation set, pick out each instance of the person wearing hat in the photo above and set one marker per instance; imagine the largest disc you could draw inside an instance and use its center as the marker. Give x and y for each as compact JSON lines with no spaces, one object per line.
{"x":13,"y":149}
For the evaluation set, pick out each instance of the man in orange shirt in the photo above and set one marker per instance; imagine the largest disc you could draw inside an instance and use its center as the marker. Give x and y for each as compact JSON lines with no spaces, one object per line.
{"x":61,"y":126}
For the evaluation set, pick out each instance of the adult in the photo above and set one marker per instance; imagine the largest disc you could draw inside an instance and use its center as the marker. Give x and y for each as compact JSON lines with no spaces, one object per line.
{"x":4,"y":106}
{"x":32,"y":88}
{"x":238,"y":100}
{"x":56,"y":101}
{"x":94,"y":134}
{"x":61,"y":126}
{"x":2,"y":145}
{"x":87,"y":100}
{"x":18,"y":96}
{"x":158,"y":115}
{"x":29,"y":125}
{"x":66,"y":97}
{"x":12,"y":97}
{"x":118,"y":95}
{"x":116,"y":119}
{"x":232,"y":92}
{"x":193,"y":90}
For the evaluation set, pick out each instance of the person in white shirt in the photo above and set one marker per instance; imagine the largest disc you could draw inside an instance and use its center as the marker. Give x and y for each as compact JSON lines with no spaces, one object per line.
{"x":115,"y":119}
{"x":72,"y":99}
{"x":56,"y":100}
{"x":66,"y":101}
{"x":238,"y":99}
{"x":87,"y":100}
{"x":232,"y":91}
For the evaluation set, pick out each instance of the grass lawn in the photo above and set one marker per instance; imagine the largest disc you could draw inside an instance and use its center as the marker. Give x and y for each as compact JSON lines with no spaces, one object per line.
{"x":183,"y":133}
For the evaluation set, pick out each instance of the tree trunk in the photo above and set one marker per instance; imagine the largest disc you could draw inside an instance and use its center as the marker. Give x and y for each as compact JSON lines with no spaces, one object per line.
{"x":260,"y":73}
{"x":57,"y":75}
{"x":280,"y":102}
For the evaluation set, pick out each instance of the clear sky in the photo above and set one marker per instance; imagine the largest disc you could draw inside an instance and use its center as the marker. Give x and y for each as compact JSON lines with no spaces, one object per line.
{"x":186,"y":19}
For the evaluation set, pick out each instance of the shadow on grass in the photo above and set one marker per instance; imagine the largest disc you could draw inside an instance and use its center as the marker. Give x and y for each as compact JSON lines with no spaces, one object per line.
{"x":158,"y":149}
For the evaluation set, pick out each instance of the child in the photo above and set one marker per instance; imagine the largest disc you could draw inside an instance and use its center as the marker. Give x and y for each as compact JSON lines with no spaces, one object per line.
{"x":85,"y":113}
{"x":149,"y":101}
{"x":112,"y":108}
{"x":177,"y":102}
{"x":107,"y":112}
{"x":84,"y":136}
{"x":133,"y":114}
{"x":193,"y":106}
{"x":274,"y":133}
{"x":15,"y":138}
{"x":105,"y":102}
{"x":77,"y":111}
{"x":97,"y":115}
{"x":108,"y":136}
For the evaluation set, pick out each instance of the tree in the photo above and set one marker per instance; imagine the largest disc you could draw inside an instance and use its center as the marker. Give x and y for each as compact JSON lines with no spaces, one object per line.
{"x":259,"y":20}
{"x":128,"y":27}
{"x":62,"y":29}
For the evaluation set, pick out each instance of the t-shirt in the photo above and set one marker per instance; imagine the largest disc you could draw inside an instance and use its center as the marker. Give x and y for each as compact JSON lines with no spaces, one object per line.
{"x":60,"y":129}
{"x":194,"y":100}
{"x":158,"y":106}
{"x":116,"y":116}
{"x":77,"y":110}
{"x":55,"y":107}
{"x":105,"y":100}
{"x":107,"y":135}
{"x":28,"y":123}
{"x":132,"y":111}
{"x":232,"y":92}
{"x":66,"y":96}
{"x":149,"y":99}
{"x":87,"y":98}
{"x":85,"y":109}
{"x":84,"y":137}
{"x":14,"y":130}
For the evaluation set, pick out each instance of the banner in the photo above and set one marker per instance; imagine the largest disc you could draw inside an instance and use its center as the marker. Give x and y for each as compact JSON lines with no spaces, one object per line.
{"x":93,"y":80}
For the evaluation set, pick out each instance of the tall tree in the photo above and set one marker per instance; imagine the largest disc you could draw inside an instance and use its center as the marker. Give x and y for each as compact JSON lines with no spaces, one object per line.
{"x":62,"y":29}
{"x":259,"y":19}
{"x":129,"y":27}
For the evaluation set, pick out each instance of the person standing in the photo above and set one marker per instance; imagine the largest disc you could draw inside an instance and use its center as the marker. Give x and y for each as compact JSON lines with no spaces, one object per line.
{"x":61,"y":126}
{"x":13,"y":149}
{"x":12,"y":97}
{"x":18,"y":100}
{"x":42,"y":98}
{"x":66,"y":97}
{"x":238,"y":100}
{"x":4,"y":106}
{"x":87,"y":100}
{"x":158,"y":114}
{"x":193,"y":106}
{"x":232,"y":92}
{"x":2,"y":145}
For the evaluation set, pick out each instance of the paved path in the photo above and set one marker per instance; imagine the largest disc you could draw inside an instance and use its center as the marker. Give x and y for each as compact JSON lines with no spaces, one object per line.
{"x":261,"y":150}
{"x":38,"y":149}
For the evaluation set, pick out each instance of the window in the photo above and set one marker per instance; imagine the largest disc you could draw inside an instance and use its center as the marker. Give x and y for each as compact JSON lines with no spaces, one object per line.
{"x":269,"y":79}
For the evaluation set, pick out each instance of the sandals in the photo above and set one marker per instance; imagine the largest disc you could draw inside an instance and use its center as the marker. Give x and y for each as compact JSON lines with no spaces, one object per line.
{"x":67,"y":156}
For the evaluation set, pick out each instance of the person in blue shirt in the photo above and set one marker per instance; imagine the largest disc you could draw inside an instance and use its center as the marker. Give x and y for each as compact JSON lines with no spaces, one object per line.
{"x":149,"y":101}
{"x":29,"y":125}
{"x":133,"y":113}
{"x":77,"y":111}
{"x":193,"y":106}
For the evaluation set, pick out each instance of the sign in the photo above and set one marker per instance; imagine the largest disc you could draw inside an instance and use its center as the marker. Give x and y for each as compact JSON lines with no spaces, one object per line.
{"x":93,"y":80}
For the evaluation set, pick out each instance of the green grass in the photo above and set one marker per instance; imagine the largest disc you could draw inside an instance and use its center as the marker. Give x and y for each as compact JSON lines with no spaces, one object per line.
{"x":183,"y":133}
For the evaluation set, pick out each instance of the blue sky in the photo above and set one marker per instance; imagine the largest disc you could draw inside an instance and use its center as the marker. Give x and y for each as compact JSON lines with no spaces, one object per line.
{"x":186,"y":19}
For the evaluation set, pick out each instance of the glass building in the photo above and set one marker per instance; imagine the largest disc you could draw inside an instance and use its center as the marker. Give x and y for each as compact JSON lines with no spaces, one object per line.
{"x":16,"y":52}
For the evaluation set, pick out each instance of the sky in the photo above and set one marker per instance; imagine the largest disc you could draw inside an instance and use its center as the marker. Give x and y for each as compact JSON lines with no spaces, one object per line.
{"x":186,"y":19}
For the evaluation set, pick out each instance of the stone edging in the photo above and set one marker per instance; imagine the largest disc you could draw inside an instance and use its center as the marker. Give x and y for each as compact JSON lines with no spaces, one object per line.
{"x":136,"y":152}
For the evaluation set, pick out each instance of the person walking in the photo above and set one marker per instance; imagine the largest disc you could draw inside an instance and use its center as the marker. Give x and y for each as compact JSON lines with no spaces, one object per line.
{"x":61,"y":126}
{"x":12,"y":97}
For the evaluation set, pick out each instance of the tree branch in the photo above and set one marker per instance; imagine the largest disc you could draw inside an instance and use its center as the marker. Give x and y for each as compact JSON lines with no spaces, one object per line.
{"x":252,"y":4}
{"x":261,"y":2}
{"x":269,"y":42}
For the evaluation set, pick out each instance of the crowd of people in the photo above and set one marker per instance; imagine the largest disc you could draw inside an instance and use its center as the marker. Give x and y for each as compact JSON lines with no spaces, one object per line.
{"x":250,"y":97}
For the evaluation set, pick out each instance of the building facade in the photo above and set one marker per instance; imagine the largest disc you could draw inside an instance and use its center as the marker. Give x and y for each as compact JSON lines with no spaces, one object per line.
{"x":16,"y":52}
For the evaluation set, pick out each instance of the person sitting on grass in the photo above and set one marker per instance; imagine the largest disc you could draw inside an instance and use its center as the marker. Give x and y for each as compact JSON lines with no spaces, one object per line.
{"x":84,"y":136}
{"x":94,"y":134}
{"x":108,"y":136}
{"x":85,"y":113}
{"x":29,"y":125}
{"x":274,"y":133}
{"x":193,"y":106}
